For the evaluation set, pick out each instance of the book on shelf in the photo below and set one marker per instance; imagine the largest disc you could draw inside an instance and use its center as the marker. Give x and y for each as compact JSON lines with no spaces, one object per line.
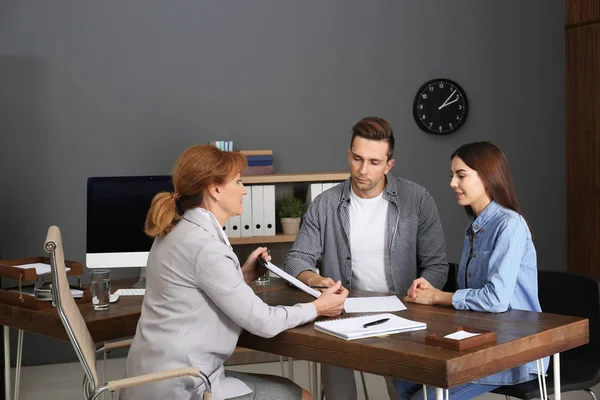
{"x":258,"y":170}
{"x":257,"y":152}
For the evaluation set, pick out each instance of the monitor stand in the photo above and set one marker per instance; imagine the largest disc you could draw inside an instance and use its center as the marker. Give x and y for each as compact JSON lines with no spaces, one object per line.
{"x":141,"y":283}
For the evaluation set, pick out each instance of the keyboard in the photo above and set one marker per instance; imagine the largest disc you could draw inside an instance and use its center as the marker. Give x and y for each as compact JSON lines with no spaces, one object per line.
{"x":130,"y":292}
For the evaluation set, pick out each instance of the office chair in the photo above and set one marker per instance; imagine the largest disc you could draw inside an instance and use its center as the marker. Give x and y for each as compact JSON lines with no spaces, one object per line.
{"x":451,"y":284}
{"x":579,"y":296}
{"x":80,"y":337}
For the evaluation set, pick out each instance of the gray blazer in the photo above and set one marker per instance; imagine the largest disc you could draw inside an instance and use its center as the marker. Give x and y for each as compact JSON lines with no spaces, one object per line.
{"x":414,"y":231}
{"x":195,"y":307}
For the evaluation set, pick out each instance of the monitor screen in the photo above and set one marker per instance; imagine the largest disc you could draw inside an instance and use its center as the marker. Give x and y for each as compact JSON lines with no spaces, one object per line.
{"x":116,"y":213}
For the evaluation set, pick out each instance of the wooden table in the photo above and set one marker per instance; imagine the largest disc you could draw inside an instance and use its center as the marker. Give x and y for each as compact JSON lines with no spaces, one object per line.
{"x":521,"y":337}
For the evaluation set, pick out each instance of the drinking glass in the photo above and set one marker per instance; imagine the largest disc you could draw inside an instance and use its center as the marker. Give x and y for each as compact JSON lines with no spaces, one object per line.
{"x":100,"y":287}
{"x":265,"y":279}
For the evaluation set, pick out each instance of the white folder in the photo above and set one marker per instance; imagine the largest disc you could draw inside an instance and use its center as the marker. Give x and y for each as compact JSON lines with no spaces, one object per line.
{"x":269,"y":209}
{"x":327,"y":185}
{"x":314,"y":189}
{"x":235,"y":225}
{"x":246,"y":219}
{"x":258,"y":220}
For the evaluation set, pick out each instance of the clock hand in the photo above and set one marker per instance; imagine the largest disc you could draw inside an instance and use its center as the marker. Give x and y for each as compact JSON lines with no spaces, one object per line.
{"x":447,"y":104}
{"x":449,"y":97}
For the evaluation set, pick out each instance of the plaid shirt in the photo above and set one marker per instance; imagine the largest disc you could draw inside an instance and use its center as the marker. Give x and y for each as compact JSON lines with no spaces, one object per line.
{"x":414,"y":231}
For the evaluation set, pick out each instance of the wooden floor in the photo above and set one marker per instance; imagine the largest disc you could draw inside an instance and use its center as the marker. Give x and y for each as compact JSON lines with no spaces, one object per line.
{"x":63,"y":381}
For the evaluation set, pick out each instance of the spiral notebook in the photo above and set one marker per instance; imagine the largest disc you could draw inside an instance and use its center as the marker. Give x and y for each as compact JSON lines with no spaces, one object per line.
{"x":354,"y":327}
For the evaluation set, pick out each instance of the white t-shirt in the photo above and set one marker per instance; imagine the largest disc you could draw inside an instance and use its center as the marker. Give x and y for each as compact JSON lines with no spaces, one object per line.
{"x":369,"y":244}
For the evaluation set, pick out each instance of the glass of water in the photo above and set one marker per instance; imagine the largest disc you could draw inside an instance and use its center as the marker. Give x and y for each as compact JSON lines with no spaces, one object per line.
{"x":265,"y":279}
{"x":100,"y":287}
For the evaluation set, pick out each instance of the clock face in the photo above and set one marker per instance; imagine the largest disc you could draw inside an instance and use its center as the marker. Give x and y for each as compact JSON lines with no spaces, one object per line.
{"x":440,"y":107}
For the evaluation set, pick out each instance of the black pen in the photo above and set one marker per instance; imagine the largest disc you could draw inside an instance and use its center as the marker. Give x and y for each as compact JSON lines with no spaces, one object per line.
{"x":379,"y":321}
{"x":320,"y":287}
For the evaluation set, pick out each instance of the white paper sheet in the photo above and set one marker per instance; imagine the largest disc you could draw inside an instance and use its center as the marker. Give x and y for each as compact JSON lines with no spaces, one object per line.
{"x":373,"y":304}
{"x":459,"y":335}
{"x":40,"y":268}
{"x":281,"y":273}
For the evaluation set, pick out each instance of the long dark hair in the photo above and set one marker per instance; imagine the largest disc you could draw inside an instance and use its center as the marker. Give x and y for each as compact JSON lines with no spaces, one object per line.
{"x":492,"y":167}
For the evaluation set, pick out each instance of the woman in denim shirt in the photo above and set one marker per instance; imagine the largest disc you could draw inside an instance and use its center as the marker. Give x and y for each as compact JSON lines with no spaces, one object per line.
{"x":498,"y":267}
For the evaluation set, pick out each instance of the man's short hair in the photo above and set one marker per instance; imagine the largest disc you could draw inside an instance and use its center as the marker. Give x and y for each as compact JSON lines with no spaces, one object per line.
{"x":375,"y":128}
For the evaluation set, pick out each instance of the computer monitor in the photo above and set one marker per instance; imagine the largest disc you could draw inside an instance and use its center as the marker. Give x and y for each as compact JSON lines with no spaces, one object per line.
{"x":116,"y":212}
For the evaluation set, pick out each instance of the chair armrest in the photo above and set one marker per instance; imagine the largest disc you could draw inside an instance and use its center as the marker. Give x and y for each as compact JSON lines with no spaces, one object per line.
{"x":109,"y":346}
{"x":158,"y":376}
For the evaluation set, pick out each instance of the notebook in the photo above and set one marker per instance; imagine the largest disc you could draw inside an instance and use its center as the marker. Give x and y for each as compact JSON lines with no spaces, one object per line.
{"x":353,"y":327}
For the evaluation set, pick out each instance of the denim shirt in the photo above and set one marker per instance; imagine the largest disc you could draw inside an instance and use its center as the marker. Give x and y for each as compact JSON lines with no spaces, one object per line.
{"x":498,"y":272}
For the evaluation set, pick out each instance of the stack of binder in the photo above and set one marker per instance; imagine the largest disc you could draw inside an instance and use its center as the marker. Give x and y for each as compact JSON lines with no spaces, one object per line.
{"x":315,"y":189}
{"x":258,"y":218}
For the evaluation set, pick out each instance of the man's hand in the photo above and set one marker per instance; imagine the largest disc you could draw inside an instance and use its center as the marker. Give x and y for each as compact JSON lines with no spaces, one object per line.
{"x":420,"y":283}
{"x":312,"y":279}
{"x":252,"y":269}
{"x":331,"y":302}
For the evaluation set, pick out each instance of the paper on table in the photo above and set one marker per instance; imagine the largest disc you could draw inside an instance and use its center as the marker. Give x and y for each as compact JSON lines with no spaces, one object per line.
{"x":459,"y":335}
{"x":373,"y":304}
{"x":40,"y":268}
{"x":281,"y":273}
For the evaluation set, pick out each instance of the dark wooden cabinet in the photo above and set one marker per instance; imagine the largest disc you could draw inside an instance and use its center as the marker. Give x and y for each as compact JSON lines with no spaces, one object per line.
{"x":582,"y":45}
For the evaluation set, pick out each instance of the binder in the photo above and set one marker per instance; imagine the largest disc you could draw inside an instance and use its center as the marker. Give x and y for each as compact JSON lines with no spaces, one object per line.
{"x":269,"y":209}
{"x":226,"y":229}
{"x":258,"y":223}
{"x":235,"y":226}
{"x":327,"y":185}
{"x":314,"y":189}
{"x":355,"y":328}
{"x":246,"y":218}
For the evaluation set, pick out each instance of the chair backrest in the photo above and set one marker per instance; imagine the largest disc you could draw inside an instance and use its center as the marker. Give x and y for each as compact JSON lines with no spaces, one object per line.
{"x":69,"y":313}
{"x":576,"y":295}
{"x":451,"y":283}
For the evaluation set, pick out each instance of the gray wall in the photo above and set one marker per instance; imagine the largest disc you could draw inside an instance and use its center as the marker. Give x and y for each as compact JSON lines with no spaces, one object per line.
{"x":122,"y":87}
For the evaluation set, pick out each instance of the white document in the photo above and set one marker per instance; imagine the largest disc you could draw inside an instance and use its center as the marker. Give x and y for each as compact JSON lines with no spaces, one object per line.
{"x":269,"y":209}
{"x":40,"y":268}
{"x":459,"y":335}
{"x":354,"y":327}
{"x":235,"y":226}
{"x":373,"y":304}
{"x":300,"y":285}
{"x":246,"y":219}
{"x":258,"y":222}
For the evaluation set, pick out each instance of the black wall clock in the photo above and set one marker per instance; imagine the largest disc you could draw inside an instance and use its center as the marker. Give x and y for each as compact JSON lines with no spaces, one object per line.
{"x":440,"y":107}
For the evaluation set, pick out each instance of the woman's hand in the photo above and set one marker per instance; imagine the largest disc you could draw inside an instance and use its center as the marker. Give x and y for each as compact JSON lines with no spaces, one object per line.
{"x":430,"y":297}
{"x":252,"y":269}
{"x":420,"y":283}
{"x":331,"y":302}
